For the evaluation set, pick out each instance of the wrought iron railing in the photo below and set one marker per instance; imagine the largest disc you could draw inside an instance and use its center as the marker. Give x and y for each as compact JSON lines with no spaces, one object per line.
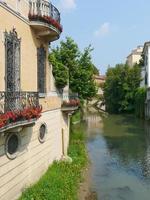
{"x":17,"y":108}
{"x":16,"y":101}
{"x":72,"y":101}
{"x":43,"y":10}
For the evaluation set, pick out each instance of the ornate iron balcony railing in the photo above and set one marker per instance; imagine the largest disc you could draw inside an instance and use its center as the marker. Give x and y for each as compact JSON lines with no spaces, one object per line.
{"x":44,"y":11}
{"x":16,"y":101}
{"x":70,"y":104}
{"x":17,"y":107}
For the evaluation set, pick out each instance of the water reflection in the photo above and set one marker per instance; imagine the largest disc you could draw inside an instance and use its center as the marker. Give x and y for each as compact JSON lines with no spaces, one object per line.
{"x":119,"y":148}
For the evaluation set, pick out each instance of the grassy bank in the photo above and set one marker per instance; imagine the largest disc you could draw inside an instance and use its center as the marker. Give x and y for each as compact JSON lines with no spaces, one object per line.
{"x":61,"y":181}
{"x":76,"y":117}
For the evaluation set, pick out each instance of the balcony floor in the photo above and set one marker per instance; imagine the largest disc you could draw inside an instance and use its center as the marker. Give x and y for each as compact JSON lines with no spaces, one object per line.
{"x":45,"y":30}
{"x":11,"y":126}
{"x":69,"y":109}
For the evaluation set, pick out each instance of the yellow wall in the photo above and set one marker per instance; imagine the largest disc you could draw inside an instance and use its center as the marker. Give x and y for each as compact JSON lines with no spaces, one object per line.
{"x":29,"y":44}
{"x":20,"y":6}
{"x":33,"y":157}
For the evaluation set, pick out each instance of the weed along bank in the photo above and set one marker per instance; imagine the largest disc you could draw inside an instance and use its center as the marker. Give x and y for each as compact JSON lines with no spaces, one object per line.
{"x":34,"y":119}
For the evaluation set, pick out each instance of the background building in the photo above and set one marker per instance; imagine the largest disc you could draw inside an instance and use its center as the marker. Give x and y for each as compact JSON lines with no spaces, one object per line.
{"x":100,"y":80}
{"x":98,"y":101}
{"x":145,"y":75}
{"x":134,"y":56}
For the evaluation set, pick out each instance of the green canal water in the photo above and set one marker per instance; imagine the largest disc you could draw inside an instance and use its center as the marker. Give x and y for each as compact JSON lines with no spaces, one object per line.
{"x":119,"y":150}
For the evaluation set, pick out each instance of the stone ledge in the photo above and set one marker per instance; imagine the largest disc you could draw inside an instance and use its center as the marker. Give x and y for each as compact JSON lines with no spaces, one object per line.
{"x":17,"y":124}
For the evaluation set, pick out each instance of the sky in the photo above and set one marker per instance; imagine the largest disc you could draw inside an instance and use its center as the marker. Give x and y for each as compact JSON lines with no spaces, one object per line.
{"x":113,"y":27}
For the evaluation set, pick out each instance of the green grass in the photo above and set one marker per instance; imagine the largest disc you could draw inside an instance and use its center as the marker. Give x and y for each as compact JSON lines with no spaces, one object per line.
{"x":76,"y":116}
{"x":61,"y":181}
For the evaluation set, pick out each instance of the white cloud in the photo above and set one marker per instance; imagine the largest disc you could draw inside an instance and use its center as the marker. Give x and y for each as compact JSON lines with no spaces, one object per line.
{"x":103,"y":30}
{"x":66,"y":5}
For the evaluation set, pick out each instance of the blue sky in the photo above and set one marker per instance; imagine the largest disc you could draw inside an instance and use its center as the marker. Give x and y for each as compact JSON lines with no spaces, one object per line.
{"x":112,"y":27}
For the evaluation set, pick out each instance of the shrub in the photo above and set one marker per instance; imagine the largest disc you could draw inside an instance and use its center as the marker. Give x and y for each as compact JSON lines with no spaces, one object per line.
{"x":140,"y":97}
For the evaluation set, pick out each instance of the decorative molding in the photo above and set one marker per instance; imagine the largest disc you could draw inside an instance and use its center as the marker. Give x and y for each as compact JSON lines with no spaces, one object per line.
{"x":53,"y":109}
{"x":11,"y":127}
{"x":12,"y":11}
{"x":34,"y":23}
{"x":43,"y":130}
{"x":13,"y":153}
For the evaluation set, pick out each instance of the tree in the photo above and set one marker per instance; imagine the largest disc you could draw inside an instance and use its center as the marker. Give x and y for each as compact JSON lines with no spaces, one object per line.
{"x":120,"y":88}
{"x":60,"y":72}
{"x":140,"y":97}
{"x":79,"y":65}
{"x":83,"y":79}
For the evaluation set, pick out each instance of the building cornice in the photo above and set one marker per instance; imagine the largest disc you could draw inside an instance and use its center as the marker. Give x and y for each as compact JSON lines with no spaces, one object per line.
{"x":132,"y":54}
{"x":145,"y":45}
{"x":18,"y":15}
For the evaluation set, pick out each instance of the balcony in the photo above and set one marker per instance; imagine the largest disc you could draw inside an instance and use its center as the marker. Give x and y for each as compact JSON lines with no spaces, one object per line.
{"x":18,"y":109}
{"x":45,"y":19}
{"x":70,"y":105}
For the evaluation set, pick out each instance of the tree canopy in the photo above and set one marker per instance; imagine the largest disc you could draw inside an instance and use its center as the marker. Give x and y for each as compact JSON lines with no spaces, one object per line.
{"x":78,"y":65}
{"x":60,"y":72}
{"x":120,"y":88}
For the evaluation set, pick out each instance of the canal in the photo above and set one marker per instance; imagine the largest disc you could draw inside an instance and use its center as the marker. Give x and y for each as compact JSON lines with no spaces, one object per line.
{"x":119,"y":150}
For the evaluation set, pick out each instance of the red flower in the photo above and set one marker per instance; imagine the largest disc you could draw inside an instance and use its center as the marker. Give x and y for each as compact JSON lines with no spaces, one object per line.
{"x":72,"y":102}
{"x":25,"y":114}
{"x":46,"y":19}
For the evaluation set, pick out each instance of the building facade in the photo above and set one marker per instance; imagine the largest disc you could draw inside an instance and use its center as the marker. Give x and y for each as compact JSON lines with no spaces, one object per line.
{"x":98,"y":101}
{"x":34,"y":122}
{"x":135,"y":56}
{"x":145,"y":76}
{"x":100,"y":80}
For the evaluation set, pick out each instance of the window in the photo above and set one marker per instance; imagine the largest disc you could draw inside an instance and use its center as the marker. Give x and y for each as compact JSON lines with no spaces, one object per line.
{"x":146,"y":60}
{"x":41,"y":61}
{"x":12,"y":145}
{"x":146,"y":79}
{"x":12,"y":60}
{"x":42,"y":133}
{"x":12,"y":68}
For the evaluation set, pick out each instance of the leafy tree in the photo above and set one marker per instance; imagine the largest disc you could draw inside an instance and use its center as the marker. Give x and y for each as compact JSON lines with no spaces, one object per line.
{"x":60,"y":72}
{"x":79,"y":65}
{"x":95,"y":70}
{"x":140,"y":97}
{"x":120,"y":88}
{"x":141,"y":61}
{"x":82,"y":79}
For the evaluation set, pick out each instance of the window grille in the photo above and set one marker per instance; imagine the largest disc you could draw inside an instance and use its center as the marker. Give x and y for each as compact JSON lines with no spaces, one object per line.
{"x":41,"y":60}
{"x":12,"y":67}
{"x":12,"y":55}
